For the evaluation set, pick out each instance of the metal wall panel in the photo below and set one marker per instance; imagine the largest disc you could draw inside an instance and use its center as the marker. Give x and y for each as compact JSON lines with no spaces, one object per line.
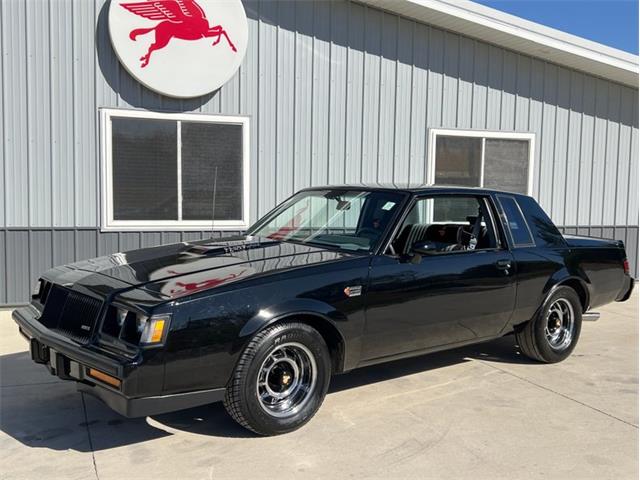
{"x":2,"y":131}
{"x":336,"y":91}
{"x":354,"y":95}
{"x":330,"y":87}
{"x":38,"y":113}
{"x":14,"y":135}
{"x":4,"y":279}
{"x":18,"y":286}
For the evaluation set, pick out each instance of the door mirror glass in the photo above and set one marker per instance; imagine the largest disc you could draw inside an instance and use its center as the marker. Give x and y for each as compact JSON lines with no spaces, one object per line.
{"x":424,"y":248}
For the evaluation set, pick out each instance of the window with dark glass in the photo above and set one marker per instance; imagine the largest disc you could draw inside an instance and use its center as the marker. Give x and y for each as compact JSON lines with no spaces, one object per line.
{"x":144,"y":169}
{"x":458,"y":161}
{"x":506,"y":165}
{"x":166,"y":170}
{"x":482,"y":161}
{"x":515,"y":221}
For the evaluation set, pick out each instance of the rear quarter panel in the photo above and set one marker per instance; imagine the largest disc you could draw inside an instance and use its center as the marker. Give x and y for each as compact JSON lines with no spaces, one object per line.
{"x":595,"y":263}
{"x":602,"y":270}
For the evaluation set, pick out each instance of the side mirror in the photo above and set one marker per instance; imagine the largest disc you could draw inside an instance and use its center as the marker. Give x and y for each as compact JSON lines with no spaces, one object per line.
{"x":424,"y":248}
{"x":420,"y":249}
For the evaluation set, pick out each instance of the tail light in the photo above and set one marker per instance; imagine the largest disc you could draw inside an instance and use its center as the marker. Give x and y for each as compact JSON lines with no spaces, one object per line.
{"x":625,"y":266}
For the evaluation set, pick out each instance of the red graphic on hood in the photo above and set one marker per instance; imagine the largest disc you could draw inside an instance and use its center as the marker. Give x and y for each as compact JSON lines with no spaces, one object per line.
{"x":194,"y":287}
{"x":182,"y":19}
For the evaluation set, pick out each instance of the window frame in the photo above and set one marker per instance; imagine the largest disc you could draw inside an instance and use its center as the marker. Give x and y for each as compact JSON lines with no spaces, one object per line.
{"x":484,"y":135}
{"x":485,"y":198}
{"x":109,"y":224}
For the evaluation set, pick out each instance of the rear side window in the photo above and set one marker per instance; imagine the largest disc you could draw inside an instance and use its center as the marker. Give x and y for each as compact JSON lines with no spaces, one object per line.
{"x":515,"y":222}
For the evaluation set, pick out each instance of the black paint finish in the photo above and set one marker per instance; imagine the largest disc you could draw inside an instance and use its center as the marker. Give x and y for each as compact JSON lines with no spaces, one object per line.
{"x":221,"y":292}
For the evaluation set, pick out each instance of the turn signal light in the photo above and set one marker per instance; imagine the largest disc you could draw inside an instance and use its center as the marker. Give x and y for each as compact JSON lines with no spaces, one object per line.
{"x":154,"y":330}
{"x":103,"y":377}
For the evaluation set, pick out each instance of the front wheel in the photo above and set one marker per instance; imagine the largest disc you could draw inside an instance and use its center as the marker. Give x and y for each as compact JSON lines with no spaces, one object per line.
{"x":553,"y":333}
{"x":281,"y":379}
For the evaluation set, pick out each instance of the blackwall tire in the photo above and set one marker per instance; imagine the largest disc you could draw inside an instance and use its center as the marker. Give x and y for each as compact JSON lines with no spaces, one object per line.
{"x":553,"y":333}
{"x":280,"y":380}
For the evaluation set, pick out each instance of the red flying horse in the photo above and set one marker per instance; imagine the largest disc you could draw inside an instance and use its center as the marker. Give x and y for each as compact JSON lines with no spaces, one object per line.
{"x":182,"y":19}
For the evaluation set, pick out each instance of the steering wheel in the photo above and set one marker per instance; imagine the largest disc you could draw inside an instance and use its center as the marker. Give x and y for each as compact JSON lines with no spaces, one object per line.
{"x":368,"y":232}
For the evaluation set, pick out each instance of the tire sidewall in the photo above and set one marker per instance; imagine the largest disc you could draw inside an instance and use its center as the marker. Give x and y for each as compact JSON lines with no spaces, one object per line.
{"x":550,"y":354}
{"x":287,"y":333}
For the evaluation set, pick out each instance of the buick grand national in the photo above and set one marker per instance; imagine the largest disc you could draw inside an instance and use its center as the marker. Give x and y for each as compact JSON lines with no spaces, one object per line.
{"x":333,"y":279}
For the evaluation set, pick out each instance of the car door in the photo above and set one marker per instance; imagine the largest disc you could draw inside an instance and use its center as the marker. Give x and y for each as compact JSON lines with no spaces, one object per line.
{"x":455,"y":295}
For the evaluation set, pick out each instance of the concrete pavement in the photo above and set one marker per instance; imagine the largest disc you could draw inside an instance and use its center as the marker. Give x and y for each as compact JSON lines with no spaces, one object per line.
{"x":478,"y":412}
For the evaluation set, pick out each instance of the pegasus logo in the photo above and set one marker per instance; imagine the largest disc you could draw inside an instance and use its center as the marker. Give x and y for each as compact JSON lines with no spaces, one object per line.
{"x":183,"y":19}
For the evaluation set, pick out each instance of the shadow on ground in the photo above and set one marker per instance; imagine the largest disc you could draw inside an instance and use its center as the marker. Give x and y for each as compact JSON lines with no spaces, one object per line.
{"x":41,"y":411}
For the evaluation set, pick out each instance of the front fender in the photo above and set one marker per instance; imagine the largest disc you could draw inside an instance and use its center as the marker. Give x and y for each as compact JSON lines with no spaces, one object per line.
{"x":316,"y":311}
{"x":298,"y":306}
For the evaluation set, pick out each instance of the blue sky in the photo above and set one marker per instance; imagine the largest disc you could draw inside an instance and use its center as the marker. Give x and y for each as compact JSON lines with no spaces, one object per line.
{"x":611,"y":22}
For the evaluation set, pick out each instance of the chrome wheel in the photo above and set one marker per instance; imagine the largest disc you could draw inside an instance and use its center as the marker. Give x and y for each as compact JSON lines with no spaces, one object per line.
{"x":286,"y":379}
{"x":560,"y":322}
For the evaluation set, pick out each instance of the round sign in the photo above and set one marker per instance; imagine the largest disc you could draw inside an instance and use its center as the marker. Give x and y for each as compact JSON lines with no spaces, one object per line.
{"x":179,"y":48}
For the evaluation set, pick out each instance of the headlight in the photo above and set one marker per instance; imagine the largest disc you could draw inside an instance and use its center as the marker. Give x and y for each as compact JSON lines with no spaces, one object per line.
{"x":121,"y":316}
{"x":154,"y":329}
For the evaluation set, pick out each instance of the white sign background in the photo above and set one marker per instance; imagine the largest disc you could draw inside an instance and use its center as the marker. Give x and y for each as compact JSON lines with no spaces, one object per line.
{"x":183,"y":68}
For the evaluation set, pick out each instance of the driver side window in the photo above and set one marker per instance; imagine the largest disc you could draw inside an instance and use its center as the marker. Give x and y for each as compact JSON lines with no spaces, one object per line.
{"x":447,"y":223}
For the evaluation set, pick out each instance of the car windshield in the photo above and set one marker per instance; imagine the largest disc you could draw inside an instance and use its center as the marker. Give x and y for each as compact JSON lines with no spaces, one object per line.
{"x":346,"y":219}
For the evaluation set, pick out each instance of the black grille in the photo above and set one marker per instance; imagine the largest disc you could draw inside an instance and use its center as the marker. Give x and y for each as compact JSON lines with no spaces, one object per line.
{"x":70,"y":313}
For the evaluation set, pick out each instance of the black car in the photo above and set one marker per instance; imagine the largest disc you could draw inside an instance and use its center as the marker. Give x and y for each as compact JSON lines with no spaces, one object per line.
{"x":332,"y":279}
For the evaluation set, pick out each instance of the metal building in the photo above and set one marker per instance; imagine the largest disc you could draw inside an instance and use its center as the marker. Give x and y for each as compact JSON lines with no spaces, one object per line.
{"x":328,"y":92}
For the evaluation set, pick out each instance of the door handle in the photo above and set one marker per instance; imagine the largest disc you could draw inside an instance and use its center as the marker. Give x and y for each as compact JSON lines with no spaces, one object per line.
{"x":503,"y":264}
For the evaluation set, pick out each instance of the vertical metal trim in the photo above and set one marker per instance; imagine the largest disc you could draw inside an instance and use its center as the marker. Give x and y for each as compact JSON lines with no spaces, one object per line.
{"x":412,"y":83}
{"x":615,"y":195}
{"x":427,"y":141}
{"x":577,"y":207}
{"x":394,"y":143}
{"x":634,"y":115}
{"x":3,"y":113}
{"x":482,"y":153}
{"x":329,"y":84}
{"x":605,"y":150}
{"x":364,"y":76}
{"x":26,"y":112}
{"x":294,"y":130}
{"x":593,"y":146}
{"x":277,"y":158}
{"x":51,"y":194}
{"x":555,"y":139}
{"x":179,"y":167}
{"x":346,"y":99}
{"x":74,"y":130}
{"x":312,"y":96}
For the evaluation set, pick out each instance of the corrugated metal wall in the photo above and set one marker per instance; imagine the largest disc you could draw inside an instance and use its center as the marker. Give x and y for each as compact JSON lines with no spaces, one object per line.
{"x":337,"y":92}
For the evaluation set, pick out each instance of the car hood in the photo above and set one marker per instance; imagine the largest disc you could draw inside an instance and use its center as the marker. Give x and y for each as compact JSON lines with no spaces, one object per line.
{"x":184,"y":268}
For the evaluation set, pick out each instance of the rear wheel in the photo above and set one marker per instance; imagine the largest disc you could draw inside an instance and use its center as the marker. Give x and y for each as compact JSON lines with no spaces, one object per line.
{"x":281,"y":379}
{"x":553,"y":333}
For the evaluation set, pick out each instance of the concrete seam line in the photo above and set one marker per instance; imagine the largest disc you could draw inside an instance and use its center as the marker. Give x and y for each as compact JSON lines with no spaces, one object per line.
{"x":27,"y":384}
{"x":86,"y":425}
{"x":559,"y":394}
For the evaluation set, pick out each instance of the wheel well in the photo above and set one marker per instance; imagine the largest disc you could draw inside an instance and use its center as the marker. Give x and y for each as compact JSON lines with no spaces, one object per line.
{"x":580,"y":290}
{"x":330,"y":334}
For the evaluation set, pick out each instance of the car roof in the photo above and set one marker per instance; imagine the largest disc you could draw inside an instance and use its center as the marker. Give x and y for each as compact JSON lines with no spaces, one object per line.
{"x":412,"y":188}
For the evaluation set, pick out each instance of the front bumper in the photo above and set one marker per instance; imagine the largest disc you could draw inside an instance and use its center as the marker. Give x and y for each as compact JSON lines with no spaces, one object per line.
{"x":71,"y":361}
{"x":144,"y":406}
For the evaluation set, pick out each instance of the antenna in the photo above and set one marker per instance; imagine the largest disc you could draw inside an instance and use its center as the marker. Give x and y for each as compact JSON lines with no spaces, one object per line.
{"x":213,"y":212}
